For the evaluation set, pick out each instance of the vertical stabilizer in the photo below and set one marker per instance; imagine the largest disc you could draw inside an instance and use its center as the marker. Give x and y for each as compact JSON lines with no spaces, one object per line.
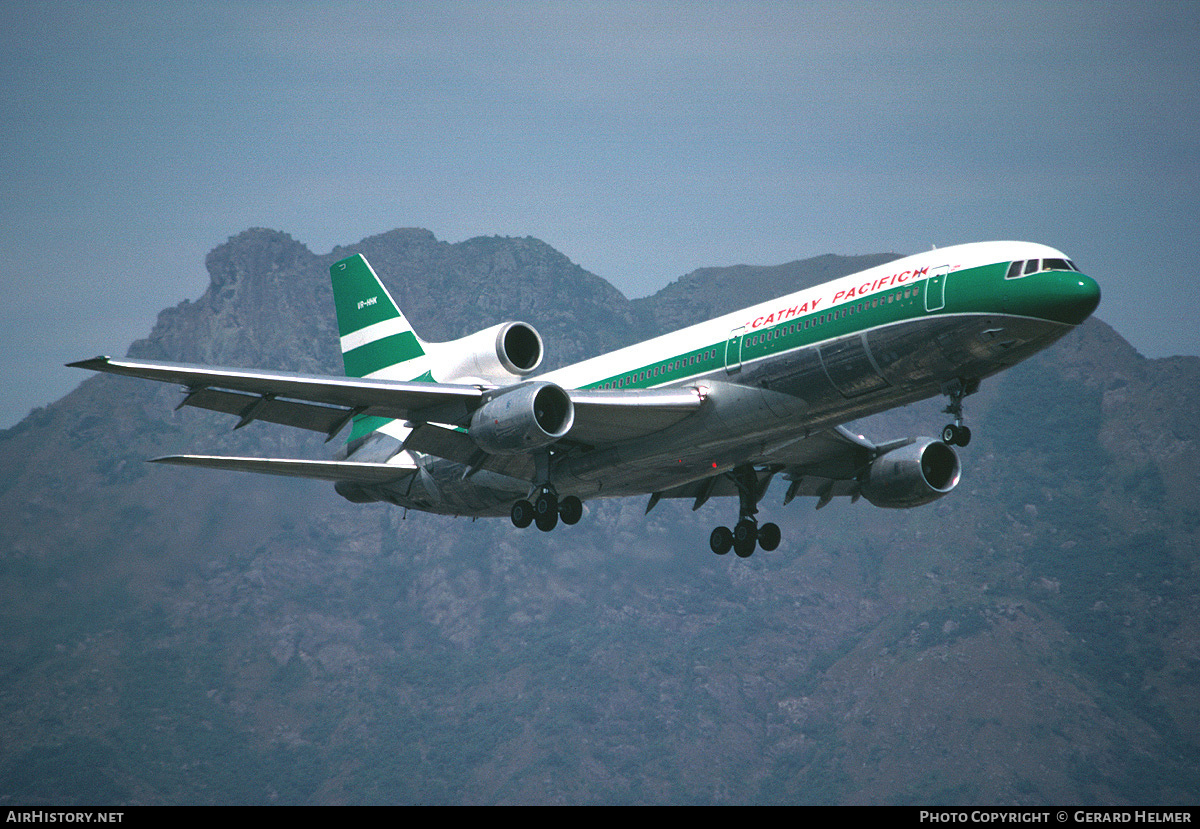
{"x":377,"y":340}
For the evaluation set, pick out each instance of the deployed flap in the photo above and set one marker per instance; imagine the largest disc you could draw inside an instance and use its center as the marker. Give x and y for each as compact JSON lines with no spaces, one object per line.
{"x":328,"y":420}
{"x":825,"y":465}
{"x":718,"y":486}
{"x":359,"y":473}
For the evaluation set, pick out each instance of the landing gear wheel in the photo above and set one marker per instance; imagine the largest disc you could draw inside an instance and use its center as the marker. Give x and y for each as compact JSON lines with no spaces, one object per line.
{"x":570,"y":510}
{"x":522,"y":514}
{"x":547,"y":522}
{"x":545,"y":504}
{"x":721,"y":540}
{"x":956,"y":435}
{"x":769,"y":536}
{"x":745,"y":536}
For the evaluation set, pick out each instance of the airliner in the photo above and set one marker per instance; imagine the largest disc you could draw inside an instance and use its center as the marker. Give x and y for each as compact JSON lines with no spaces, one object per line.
{"x":717,"y":409}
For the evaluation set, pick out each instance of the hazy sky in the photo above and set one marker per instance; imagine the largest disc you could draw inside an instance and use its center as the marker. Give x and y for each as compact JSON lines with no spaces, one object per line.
{"x":643,"y":140}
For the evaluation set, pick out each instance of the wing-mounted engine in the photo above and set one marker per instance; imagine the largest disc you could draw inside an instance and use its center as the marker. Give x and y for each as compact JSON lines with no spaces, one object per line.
{"x":523,"y":418}
{"x":494,"y":355}
{"x":912,"y":475}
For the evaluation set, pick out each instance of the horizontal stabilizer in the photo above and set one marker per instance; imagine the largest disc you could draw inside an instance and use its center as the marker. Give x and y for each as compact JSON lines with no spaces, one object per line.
{"x":359,"y":473}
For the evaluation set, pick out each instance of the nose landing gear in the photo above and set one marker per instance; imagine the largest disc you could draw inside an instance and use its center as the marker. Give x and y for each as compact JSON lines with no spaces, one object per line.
{"x":956,"y":434}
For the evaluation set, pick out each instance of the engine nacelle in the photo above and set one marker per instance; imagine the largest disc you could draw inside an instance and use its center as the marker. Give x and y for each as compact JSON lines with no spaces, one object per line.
{"x":525,"y":417}
{"x":494,"y":355}
{"x":912,"y":475}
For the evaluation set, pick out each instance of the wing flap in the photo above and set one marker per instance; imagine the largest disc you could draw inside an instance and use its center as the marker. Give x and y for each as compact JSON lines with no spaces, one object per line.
{"x":315,"y":417}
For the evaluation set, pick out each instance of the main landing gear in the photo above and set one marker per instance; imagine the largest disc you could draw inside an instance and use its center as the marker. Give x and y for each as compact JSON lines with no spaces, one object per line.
{"x":956,"y":434}
{"x":746,"y":534}
{"x":546,"y":510}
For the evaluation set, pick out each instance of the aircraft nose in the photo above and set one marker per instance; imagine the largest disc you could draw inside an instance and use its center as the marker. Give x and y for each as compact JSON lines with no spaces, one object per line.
{"x":1062,"y":296}
{"x":1079,"y":296}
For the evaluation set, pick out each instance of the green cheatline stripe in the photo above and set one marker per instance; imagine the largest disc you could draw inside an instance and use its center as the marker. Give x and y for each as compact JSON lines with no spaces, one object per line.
{"x":971,"y":290}
{"x":381,"y":353}
{"x":359,"y":297}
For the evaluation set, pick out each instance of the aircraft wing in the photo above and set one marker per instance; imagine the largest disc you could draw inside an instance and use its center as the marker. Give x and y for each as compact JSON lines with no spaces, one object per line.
{"x":824,"y":465}
{"x":360,"y":473}
{"x":327,"y":403}
{"x":310,"y":401}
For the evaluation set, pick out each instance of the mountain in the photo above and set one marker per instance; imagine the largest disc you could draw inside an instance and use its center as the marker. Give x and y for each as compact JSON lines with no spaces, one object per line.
{"x":182,"y":636}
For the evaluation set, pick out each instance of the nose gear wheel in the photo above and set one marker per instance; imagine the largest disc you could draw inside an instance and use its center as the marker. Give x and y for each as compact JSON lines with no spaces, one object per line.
{"x":956,"y":434}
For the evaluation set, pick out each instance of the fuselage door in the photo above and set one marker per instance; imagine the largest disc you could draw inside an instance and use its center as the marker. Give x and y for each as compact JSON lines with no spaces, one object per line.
{"x":733,"y":350}
{"x":935,"y":289}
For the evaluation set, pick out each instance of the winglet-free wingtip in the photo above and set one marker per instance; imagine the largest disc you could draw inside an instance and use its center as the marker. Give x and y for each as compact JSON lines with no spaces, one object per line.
{"x":93,"y":364}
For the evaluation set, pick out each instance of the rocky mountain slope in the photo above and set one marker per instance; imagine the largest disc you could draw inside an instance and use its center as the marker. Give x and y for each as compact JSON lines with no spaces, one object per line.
{"x":182,"y":636}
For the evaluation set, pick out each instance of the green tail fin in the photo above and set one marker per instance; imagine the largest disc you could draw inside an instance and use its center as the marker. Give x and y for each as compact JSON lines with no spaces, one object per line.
{"x":377,"y":340}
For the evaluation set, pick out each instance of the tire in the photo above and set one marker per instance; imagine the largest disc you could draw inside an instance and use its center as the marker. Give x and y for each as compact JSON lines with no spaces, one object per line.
{"x":769,"y":537}
{"x":950,"y":434}
{"x":522,"y":514}
{"x":721,"y":540}
{"x":547,"y":522}
{"x":964,"y":436}
{"x":546,"y":504}
{"x":570,"y":510}
{"x":745,"y":537}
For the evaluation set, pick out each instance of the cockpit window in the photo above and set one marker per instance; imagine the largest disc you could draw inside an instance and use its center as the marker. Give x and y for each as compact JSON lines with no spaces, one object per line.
{"x":1026,"y":267}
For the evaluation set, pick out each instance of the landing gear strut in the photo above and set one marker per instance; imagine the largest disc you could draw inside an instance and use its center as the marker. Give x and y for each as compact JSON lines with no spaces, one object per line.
{"x":746,"y":534}
{"x":956,"y":434}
